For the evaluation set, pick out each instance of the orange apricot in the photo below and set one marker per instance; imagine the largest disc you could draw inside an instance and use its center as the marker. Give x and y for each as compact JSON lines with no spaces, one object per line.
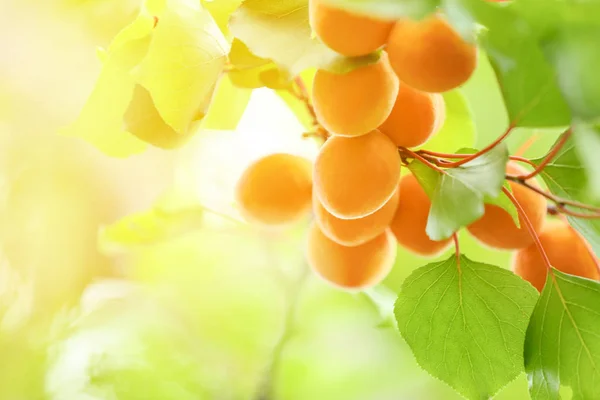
{"x":353,"y":232}
{"x":345,"y":32}
{"x":567,"y":251}
{"x":430,"y":55}
{"x":143,"y":120}
{"x":416,"y":117}
{"x":410,"y":220}
{"x":496,"y":227}
{"x":356,"y":102}
{"x":356,"y":267}
{"x":276,"y":189}
{"x":355,"y":177}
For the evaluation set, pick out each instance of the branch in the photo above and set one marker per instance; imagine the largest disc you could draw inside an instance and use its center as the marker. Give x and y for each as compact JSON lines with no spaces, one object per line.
{"x":550,"y":156}
{"x":529,"y":226}
{"x":560,"y":202}
{"x":523,"y":160}
{"x":302,"y":95}
{"x":489,"y":147}
{"x":421,"y":158}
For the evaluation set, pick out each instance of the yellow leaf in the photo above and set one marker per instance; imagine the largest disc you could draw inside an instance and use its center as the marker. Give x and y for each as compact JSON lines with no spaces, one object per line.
{"x":186,"y":56}
{"x":227,"y":106}
{"x":221,"y":10}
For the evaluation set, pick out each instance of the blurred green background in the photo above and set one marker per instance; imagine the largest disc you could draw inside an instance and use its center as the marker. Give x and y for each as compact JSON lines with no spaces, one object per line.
{"x":176,"y":307}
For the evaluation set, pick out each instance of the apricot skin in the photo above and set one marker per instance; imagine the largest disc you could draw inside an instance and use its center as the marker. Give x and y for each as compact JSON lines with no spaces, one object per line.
{"x":497,"y":229}
{"x":347,"y":33}
{"x":410,"y":220}
{"x":354,"y":177}
{"x":415,"y":118}
{"x":567,"y":251}
{"x":355,"y":103}
{"x":353,"y":232}
{"x":276,"y":189}
{"x":352,"y":268}
{"x":429,"y":55}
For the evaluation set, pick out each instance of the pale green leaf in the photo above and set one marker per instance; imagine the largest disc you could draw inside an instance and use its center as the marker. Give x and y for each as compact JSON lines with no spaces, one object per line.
{"x":227,"y":106}
{"x":562,"y":346}
{"x":458,"y":129}
{"x":587,"y":144}
{"x":427,"y":177}
{"x":389,"y":9}
{"x":280,"y":31}
{"x":183,"y":63}
{"x":466,"y":323}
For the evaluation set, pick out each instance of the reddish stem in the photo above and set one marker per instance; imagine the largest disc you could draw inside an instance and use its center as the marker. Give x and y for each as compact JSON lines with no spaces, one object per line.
{"x":523,"y":160}
{"x":445,"y":155}
{"x":561,"y":208}
{"x":550,"y":156}
{"x":489,"y":147}
{"x":422,"y":159}
{"x":456,"y":249}
{"x":529,"y":226}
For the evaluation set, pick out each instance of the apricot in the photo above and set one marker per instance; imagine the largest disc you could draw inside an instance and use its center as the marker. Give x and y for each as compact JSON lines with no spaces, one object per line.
{"x":143,"y":120}
{"x":354,"y":177}
{"x":276,"y":189}
{"x":353,"y":232}
{"x":430,"y":55}
{"x":567,"y":251}
{"x":356,"y":267}
{"x":356,"y":102}
{"x":347,"y":33}
{"x":416,"y":117}
{"x":497,"y":229}
{"x":410,"y":221}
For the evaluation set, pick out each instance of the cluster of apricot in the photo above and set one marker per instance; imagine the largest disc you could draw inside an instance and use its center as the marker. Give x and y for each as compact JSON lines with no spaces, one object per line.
{"x":362,"y":207}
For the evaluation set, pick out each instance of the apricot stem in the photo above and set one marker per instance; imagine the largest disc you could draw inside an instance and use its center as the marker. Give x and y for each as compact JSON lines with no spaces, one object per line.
{"x":523,"y":160}
{"x":421,"y":158}
{"x":481,"y":152}
{"x":456,"y":249}
{"x":529,"y":226}
{"x":302,"y":95}
{"x":560,"y":202}
{"x":550,"y":156}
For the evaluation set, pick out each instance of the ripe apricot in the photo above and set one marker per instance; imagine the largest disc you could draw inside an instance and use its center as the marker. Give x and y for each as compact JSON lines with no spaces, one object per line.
{"x":143,"y":120}
{"x":410,"y":220}
{"x":356,"y":102}
{"x":567,"y":251}
{"x":276,"y":189}
{"x":353,"y":232}
{"x":347,"y":33}
{"x":429,"y":55}
{"x":416,"y":117}
{"x":497,"y":229}
{"x":356,"y":267}
{"x":355,"y":177}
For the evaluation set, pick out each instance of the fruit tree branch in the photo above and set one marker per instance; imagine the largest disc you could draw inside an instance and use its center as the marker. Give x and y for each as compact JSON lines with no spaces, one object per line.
{"x":550,"y":156}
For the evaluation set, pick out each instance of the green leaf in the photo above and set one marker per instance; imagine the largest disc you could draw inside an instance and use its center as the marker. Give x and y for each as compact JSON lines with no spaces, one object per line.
{"x":587,"y":144}
{"x":527,"y":80}
{"x":562,"y":346}
{"x":458,"y":195}
{"x":458,"y":129}
{"x":566,"y":178}
{"x":575,"y":55}
{"x":227,"y":106}
{"x":280,"y":31}
{"x":466,"y":323}
{"x":184,"y":61}
{"x":389,"y":9}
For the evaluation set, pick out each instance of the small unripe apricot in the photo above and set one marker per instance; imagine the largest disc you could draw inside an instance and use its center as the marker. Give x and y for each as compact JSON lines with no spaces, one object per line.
{"x":276,"y":189}
{"x":497,"y":229}
{"x":353,"y":232}
{"x":567,"y":251}
{"x":143,"y":120}
{"x":347,"y":33}
{"x":416,"y":117}
{"x":410,"y":220}
{"x":357,"y":102}
{"x":357,"y":267}
{"x":429,"y":55}
{"x":355,"y":177}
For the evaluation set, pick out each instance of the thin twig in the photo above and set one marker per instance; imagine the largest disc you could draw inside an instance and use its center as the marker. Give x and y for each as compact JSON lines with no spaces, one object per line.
{"x":456,"y":249}
{"x":523,"y":160}
{"x":422,"y":159}
{"x":529,"y":226}
{"x":550,"y":156}
{"x":444,"y":155}
{"x":489,"y":147}
{"x":562,"y":209}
